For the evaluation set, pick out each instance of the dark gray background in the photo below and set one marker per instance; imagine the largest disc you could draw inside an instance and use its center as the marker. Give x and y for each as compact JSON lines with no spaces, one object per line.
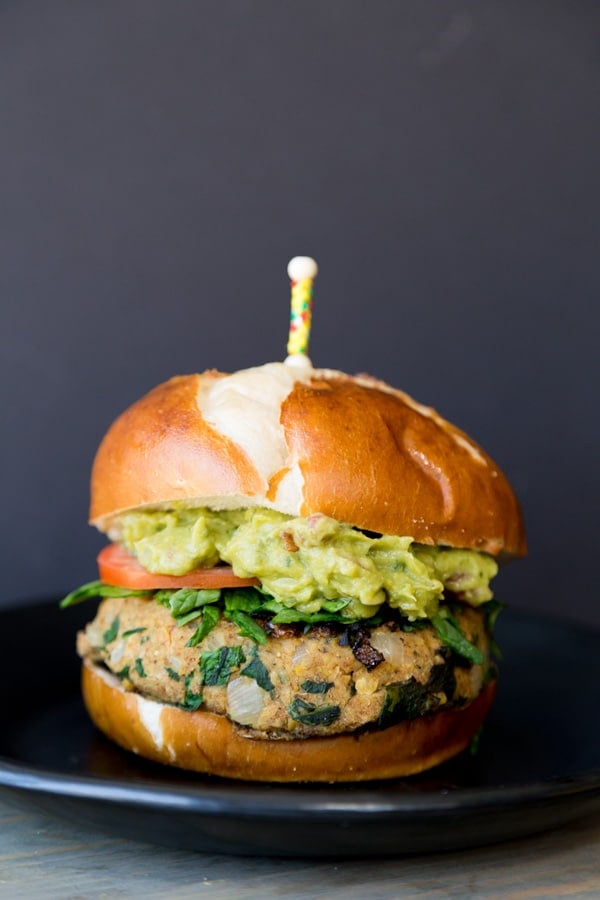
{"x":161,"y":161}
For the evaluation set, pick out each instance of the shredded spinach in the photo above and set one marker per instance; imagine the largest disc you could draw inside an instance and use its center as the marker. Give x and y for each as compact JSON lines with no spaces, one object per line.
{"x":309,"y":714}
{"x":332,"y":606}
{"x":132,"y":631}
{"x":247,"y":600}
{"x":98,"y":589}
{"x":246,"y":625}
{"x":210,"y":617}
{"x":191,"y":699}
{"x":186,"y":600}
{"x":238,"y":604}
{"x":241,"y":605}
{"x":111,"y":633}
{"x":316,"y":687}
{"x":139,"y":667}
{"x":256,"y":669}
{"x":492,"y":610}
{"x":216,"y":665}
{"x":173,"y":675}
{"x":450,"y":633}
{"x":287,"y":615}
{"x":188,"y":617}
{"x":418,"y":625}
{"x":405,"y":700}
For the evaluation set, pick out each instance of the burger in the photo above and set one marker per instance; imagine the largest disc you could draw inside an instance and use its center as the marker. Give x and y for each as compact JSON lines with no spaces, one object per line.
{"x":297,"y":584}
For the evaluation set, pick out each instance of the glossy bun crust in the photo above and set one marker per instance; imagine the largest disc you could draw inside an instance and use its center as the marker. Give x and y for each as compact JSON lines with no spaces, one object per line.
{"x":204,"y":742}
{"x":361,"y":452}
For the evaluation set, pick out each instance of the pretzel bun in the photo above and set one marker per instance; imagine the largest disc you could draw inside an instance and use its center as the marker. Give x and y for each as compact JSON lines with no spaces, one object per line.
{"x":304,"y":441}
{"x":204,"y":742}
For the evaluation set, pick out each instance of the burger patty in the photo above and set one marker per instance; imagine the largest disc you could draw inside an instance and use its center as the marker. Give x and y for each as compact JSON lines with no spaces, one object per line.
{"x":327,"y":680}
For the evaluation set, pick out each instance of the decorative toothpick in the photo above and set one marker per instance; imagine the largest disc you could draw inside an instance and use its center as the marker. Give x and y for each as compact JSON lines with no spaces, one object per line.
{"x":302,"y":271}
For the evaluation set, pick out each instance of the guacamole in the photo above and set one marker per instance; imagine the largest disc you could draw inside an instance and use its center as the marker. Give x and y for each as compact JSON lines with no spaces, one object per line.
{"x":303,"y":562}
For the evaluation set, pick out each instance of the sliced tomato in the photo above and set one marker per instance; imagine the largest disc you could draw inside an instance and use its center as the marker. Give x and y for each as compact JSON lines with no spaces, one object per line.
{"x":118,"y":567}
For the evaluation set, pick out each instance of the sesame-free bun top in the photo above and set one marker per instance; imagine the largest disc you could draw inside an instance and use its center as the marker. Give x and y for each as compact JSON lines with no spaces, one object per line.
{"x":304,"y":441}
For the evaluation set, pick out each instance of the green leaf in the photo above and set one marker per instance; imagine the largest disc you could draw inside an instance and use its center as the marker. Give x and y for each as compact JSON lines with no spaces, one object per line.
{"x":246,"y":626}
{"x":132,"y":631}
{"x":309,"y":714}
{"x":289,"y":615}
{"x":256,"y":669}
{"x":208,"y":596}
{"x":183,"y":601}
{"x":404,"y":700}
{"x":173,"y":675}
{"x":335,"y":605}
{"x":492,"y":610}
{"x":216,"y":665}
{"x":186,"y":604}
{"x":139,"y":667}
{"x":191,"y":701}
{"x":186,"y":600}
{"x":316,"y":687}
{"x":98,"y":589}
{"x":418,"y":625}
{"x":210,"y":617}
{"x":162,"y":597}
{"x":270,"y":604}
{"x":190,"y":617}
{"x":245,"y":599}
{"x":123,"y":673}
{"x":111,"y":633}
{"x":410,"y":699}
{"x":449,"y":632}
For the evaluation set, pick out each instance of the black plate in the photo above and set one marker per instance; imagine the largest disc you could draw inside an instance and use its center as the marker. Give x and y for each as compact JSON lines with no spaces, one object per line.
{"x":538,"y":764}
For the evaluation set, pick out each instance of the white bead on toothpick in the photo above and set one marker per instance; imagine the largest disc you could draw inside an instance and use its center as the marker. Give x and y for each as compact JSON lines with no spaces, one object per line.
{"x":302,"y":271}
{"x":301,"y":267}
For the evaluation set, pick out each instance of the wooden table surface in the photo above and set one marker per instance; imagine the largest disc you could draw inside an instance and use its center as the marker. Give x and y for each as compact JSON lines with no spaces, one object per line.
{"x":48,"y":858}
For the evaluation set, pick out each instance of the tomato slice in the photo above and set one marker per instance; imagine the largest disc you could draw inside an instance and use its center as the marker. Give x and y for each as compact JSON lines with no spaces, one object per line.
{"x":120,"y":568}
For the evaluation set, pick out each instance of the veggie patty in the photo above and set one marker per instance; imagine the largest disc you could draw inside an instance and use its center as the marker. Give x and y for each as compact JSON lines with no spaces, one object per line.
{"x":299,"y":680}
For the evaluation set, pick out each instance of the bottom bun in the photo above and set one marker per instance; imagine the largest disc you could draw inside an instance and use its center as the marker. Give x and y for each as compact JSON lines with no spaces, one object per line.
{"x":204,"y":742}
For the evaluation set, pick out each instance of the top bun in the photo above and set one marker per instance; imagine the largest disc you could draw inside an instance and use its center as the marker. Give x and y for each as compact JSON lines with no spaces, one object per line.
{"x":303,"y":441}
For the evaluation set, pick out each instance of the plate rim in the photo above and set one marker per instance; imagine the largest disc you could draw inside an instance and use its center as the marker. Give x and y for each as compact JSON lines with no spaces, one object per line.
{"x":276,"y":800}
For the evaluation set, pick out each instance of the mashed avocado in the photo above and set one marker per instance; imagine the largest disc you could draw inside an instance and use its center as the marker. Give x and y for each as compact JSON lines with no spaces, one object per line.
{"x":304,"y":562}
